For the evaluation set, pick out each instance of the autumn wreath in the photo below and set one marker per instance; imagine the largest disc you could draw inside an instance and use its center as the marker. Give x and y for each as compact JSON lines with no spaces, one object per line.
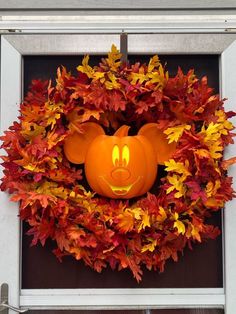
{"x":54,"y":197}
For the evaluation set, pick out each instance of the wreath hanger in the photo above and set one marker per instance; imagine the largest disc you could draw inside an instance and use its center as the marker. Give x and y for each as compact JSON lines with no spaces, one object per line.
{"x":124,"y":47}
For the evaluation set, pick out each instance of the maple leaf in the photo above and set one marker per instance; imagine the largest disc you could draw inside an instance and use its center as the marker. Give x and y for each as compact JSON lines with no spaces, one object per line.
{"x":44,"y":199}
{"x":42,"y":231}
{"x":174,"y":133}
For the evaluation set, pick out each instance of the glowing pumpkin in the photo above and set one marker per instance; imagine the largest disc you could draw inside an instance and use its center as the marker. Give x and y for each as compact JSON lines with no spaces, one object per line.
{"x":119,"y":166}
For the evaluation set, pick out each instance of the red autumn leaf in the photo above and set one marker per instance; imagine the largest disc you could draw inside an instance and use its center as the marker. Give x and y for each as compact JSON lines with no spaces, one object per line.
{"x":41,"y":231}
{"x":195,"y":191}
{"x":117,"y":101}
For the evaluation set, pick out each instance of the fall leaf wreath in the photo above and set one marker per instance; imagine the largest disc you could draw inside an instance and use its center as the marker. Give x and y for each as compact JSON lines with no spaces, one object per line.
{"x":54,"y":196}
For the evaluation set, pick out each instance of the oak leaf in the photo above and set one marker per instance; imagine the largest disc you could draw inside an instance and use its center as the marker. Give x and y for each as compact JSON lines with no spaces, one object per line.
{"x":174,"y":133}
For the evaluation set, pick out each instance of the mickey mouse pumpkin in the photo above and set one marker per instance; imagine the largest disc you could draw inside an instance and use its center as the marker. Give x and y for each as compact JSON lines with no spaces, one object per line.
{"x":118,"y":166}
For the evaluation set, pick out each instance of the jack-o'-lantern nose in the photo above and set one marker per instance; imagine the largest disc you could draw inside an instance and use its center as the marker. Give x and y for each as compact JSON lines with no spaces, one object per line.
{"x":120,"y":174}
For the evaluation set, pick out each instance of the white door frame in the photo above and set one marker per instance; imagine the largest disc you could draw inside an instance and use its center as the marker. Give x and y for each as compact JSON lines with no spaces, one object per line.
{"x":13,"y":48}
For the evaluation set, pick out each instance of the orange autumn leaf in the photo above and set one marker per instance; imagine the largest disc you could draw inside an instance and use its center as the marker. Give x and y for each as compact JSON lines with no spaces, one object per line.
{"x":227,"y":163}
{"x":125,"y":222}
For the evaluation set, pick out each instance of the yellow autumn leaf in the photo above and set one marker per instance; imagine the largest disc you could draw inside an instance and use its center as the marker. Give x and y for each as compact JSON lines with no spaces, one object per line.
{"x":225,"y":124}
{"x":210,"y":132}
{"x":175,"y":216}
{"x":113,"y":59}
{"x":174,"y":133}
{"x":99,"y":76}
{"x":161,"y":215}
{"x":193,"y":231}
{"x":153,"y":63}
{"x":34,"y":167}
{"x":53,"y":112}
{"x":176,"y":184}
{"x":212,"y":188}
{"x":112,"y":83}
{"x":31,"y":130}
{"x":202,"y":153}
{"x":156,"y":78}
{"x":139,"y":77}
{"x":137,"y":212}
{"x":180,"y":226}
{"x":178,"y":167}
{"x":145,"y":221}
{"x":150,"y":247}
{"x":85,"y":67}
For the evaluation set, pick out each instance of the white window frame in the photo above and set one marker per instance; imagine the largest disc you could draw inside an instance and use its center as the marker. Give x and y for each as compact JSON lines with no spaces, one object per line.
{"x":13,"y":49}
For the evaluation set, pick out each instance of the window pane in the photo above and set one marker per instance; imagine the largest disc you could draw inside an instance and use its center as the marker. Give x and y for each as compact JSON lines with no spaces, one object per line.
{"x":200,"y":268}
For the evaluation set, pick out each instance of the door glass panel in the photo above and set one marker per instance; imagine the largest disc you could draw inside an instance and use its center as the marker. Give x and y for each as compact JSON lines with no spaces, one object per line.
{"x":199,"y":268}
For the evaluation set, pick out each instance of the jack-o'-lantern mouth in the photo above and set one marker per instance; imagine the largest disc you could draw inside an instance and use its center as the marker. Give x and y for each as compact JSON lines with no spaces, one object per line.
{"x":121,"y":190}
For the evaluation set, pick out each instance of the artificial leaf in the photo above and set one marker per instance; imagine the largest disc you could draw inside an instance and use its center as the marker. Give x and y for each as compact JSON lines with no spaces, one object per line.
{"x":174,"y":133}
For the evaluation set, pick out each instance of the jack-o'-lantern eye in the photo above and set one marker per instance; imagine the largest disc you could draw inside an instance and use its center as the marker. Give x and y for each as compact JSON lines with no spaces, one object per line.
{"x":115,"y":155}
{"x":125,"y":155}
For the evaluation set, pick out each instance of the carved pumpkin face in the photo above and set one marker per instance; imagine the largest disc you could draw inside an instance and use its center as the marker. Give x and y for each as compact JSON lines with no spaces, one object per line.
{"x":119,"y":166}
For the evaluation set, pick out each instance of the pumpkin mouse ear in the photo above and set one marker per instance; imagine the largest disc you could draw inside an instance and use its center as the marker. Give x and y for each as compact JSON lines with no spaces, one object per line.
{"x":159,"y":141}
{"x":77,"y":144}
